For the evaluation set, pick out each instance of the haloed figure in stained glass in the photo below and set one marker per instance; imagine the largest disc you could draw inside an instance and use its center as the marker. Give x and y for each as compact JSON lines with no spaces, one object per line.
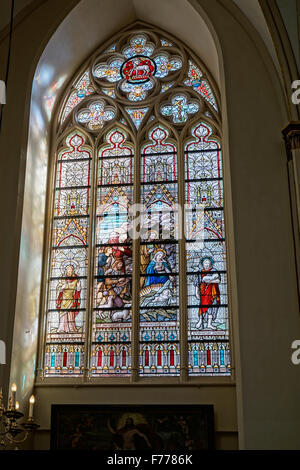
{"x":158,"y":269}
{"x":160,"y":286}
{"x":208,"y":292}
{"x":68,"y":301}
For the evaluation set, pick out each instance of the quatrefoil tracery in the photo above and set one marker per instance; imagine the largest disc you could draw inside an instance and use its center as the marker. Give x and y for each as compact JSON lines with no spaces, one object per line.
{"x":96,"y":114}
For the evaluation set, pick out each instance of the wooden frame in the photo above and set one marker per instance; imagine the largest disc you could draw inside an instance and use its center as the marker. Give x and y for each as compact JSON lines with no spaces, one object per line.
{"x":132,"y":427}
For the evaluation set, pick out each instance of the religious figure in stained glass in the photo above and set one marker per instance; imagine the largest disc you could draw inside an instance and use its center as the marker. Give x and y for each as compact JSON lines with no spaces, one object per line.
{"x":145,"y":253}
{"x":116,"y":285}
{"x":68,"y":301}
{"x":105,"y":261}
{"x":158,"y":269}
{"x":208,"y":292}
{"x":114,"y":262}
{"x":159,"y":285}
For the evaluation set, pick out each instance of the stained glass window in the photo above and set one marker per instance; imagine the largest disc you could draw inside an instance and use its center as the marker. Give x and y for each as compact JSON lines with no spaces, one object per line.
{"x":67,"y":288}
{"x":159,"y":295}
{"x":207,"y":301}
{"x":111,"y":350}
{"x":81,"y":88}
{"x":137,"y":278}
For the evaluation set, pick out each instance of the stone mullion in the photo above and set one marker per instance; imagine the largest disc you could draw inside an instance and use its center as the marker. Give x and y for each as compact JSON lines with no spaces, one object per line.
{"x":135,"y":323}
{"x":183,"y":325}
{"x":90,"y":270}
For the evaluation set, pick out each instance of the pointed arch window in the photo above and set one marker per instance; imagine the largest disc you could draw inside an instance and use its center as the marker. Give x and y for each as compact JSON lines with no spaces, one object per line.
{"x":137,"y":277}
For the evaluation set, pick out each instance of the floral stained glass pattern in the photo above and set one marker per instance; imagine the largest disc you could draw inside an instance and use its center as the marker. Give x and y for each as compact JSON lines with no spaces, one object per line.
{"x":180,"y":108}
{"x":110,"y":71}
{"x":139,"y":45}
{"x":136,"y":92}
{"x":164,"y":65}
{"x":95,"y":115}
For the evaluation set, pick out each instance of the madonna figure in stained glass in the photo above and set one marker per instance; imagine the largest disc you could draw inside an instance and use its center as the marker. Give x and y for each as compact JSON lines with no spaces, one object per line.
{"x":158,"y":269}
{"x":208,"y":292}
{"x":68,"y":301}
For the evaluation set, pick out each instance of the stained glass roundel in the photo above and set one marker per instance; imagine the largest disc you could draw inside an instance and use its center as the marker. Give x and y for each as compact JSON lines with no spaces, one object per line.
{"x":138,"y":69}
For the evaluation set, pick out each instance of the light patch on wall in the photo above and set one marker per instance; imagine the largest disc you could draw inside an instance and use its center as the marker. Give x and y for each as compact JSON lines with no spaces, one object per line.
{"x":44,"y":75}
{"x":51,"y":94}
{"x":23,"y":382}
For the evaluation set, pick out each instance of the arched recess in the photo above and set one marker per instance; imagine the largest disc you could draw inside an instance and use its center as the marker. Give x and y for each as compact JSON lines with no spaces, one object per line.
{"x":113,"y":106}
{"x":52,"y":73}
{"x":236,"y":88}
{"x":47,"y":85}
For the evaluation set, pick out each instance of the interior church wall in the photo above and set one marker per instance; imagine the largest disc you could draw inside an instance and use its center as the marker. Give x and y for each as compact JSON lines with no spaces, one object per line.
{"x":263,"y":241}
{"x":265,"y":318}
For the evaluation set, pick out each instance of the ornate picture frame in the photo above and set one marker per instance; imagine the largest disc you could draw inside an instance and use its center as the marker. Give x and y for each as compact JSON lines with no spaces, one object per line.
{"x":132,"y":427}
